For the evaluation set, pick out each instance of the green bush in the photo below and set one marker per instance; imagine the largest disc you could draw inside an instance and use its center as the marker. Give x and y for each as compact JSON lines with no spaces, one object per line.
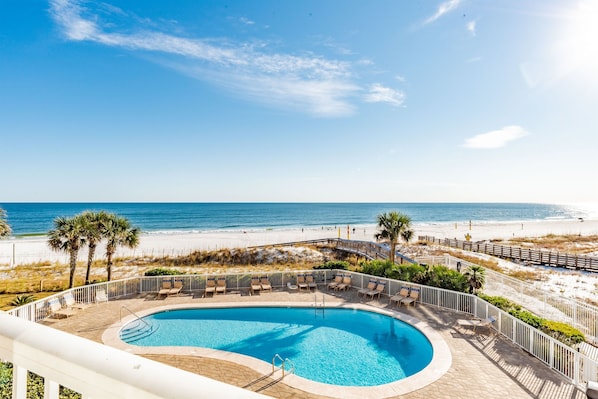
{"x":563,"y":332}
{"x":527,"y":317}
{"x":162,"y":272}
{"x":334,"y":264}
{"x":500,"y":302}
{"x":379,"y":268}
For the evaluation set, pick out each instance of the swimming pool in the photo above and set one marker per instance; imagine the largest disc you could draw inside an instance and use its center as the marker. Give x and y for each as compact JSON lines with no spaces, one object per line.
{"x":339,"y":346}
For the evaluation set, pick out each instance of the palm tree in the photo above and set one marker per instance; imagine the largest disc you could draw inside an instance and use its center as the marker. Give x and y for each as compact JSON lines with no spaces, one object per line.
{"x":67,"y":236}
{"x":476,"y":277}
{"x":92,"y":231}
{"x":118,"y":231}
{"x":5,"y":229}
{"x":394,"y":225}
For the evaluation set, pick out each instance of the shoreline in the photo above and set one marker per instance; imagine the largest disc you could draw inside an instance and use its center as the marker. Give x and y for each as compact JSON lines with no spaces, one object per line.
{"x":25,"y":250}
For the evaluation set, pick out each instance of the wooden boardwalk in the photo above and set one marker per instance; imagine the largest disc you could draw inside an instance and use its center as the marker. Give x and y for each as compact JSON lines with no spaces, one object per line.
{"x":521,"y":255}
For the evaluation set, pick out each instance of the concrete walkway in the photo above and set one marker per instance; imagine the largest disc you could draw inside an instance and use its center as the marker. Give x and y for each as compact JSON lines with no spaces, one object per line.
{"x":483,"y":365}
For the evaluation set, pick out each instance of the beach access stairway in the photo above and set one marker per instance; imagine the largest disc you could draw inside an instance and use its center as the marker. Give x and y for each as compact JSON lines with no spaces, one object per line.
{"x":521,"y":255}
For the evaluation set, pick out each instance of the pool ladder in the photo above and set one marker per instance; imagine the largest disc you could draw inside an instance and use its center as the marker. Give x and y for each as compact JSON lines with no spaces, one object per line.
{"x":283,"y":364}
{"x":321,"y":306}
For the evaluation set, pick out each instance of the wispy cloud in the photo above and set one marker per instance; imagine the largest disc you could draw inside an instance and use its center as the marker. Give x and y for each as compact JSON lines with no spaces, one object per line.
{"x":471,"y":26}
{"x":443,"y":9}
{"x":246,"y":21}
{"x":496,"y":138}
{"x":311,"y":83}
{"x":381,"y":94}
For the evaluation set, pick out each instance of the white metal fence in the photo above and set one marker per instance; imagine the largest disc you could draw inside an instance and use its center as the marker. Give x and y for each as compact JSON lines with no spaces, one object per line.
{"x":567,"y":361}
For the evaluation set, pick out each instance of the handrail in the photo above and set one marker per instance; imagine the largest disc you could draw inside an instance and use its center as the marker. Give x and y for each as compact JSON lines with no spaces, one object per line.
{"x":286,"y":359}
{"x":134,"y":314}
{"x":277,"y":356}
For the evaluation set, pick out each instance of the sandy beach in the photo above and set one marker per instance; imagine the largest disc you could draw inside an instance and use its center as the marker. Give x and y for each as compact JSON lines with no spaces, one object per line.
{"x":18,"y":251}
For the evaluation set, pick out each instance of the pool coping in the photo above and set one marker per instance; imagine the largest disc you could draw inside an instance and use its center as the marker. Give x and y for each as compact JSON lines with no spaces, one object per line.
{"x":440,"y":364}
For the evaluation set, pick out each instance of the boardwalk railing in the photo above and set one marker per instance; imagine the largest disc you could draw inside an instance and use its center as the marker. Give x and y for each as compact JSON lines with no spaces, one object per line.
{"x":570,"y":363}
{"x":528,"y":255}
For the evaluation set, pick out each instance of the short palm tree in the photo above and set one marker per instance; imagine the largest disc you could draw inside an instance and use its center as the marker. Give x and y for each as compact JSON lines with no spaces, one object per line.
{"x":93,"y":223}
{"x":476,"y":277}
{"x":67,"y":236}
{"x":392,"y":226}
{"x":5,"y":229}
{"x":118,"y":231}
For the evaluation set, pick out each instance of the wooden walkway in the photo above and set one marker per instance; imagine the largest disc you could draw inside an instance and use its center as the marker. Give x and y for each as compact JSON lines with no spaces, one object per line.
{"x":521,"y":255}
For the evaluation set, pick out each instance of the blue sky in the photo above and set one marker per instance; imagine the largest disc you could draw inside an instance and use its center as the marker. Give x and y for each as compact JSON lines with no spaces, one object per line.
{"x":383,"y":101}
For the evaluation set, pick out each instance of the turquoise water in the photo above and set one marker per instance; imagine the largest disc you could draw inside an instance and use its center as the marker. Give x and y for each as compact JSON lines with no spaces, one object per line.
{"x":337,"y":346}
{"x":28,"y":218}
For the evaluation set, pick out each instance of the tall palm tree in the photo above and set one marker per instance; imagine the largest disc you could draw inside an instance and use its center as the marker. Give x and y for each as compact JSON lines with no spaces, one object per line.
{"x":5,"y":229}
{"x":67,"y":236}
{"x":393,"y":225}
{"x":93,"y":223}
{"x":118,"y":231}
{"x":476,"y":277}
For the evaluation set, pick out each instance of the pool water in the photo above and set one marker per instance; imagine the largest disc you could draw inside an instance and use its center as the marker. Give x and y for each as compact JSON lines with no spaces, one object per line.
{"x":334,"y":346}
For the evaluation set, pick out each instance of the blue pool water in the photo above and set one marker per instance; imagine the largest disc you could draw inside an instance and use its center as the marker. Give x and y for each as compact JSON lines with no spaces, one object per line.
{"x":335,"y":346}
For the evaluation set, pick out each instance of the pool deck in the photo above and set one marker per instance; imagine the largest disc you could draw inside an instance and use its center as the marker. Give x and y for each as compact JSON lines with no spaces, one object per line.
{"x":483,"y":364}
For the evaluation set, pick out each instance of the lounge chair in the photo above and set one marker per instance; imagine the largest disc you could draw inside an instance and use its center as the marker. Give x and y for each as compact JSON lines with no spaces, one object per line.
{"x":265,"y":283}
{"x":210,"y":286}
{"x":221,"y":285}
{"x":475,"y":323}
{"x":176,"y":288}
{"x":165,"y":289}
{"x":69,"y":301}
{"x":345,"y":285}
{"x":101,"y":296}
{"x":402,"y":294}
{"x":311,"y":283}
{"x":256,"y":286}
{"x":337,"y":280}
{"x":56,"y":310}
{"x":370,"y":287}
{"x":301,"y":283}
{"x":412,"y":298}
{"x":380,"y":287}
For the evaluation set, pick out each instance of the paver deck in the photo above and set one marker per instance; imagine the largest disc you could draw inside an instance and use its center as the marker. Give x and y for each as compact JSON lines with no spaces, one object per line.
{"x":483,"y":365}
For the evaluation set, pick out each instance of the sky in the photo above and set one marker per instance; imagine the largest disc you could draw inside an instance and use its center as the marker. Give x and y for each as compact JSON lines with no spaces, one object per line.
{"x":299,"y":101}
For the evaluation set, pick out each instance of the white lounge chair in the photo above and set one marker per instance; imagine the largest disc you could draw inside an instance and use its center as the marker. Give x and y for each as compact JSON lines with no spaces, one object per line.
{"x":476,"y":323}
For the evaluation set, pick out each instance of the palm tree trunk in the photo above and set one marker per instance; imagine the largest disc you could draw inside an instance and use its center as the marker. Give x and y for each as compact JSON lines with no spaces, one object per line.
{"x":393,"y":247}
{"x":73,"y":266}
{"x":90,"y":254}
{"x":109,"y":265}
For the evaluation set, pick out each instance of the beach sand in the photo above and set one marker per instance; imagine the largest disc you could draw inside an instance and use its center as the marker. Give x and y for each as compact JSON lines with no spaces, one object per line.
{"x":30,"y":250}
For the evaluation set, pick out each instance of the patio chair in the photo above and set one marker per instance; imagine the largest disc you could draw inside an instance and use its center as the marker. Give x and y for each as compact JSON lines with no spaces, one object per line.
{"x":301,"y":283}
{"x":265,"y":284}
{"x":176,"y":288}
{"x":311,"y":283}
{"x":380,"y":287}
{"x":56,"y":310}
{"x":337,"y":280}
{"x":165,"y":289}
{"x":256,"y":285}
{"x":402,"y":294}
{"x":345,"y":285}
{"x":476,"y":323}
{"x":221,"y":285}
{"x":411,"y":299}
{"x":210,"y":286}
{"x":101,"y":296}
{"x":370,"y":287}
{"x":69,"y":301}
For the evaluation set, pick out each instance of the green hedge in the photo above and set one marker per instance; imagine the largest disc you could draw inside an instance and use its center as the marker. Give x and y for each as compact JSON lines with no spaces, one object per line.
{"x":162,"y":272}
{"x":559,"y":331}
{"x":333,"y":264}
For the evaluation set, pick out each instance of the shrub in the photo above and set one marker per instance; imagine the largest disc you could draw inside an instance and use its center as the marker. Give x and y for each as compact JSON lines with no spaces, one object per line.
{"x":501,"y":302}
{"x":334,"y":264}
{"x":563,"y":332}
{"x":22,"y":300}
{"x":379,"y":268}
{"x":162,"y":272}
{"x":527,"y":317}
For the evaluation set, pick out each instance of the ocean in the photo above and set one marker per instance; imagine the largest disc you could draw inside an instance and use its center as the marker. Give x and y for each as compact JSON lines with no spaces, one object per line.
{"x":37,"y":218}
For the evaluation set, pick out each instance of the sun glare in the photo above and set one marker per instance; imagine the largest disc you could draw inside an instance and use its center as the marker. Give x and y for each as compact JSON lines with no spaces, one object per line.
{"x":576,"y":46}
